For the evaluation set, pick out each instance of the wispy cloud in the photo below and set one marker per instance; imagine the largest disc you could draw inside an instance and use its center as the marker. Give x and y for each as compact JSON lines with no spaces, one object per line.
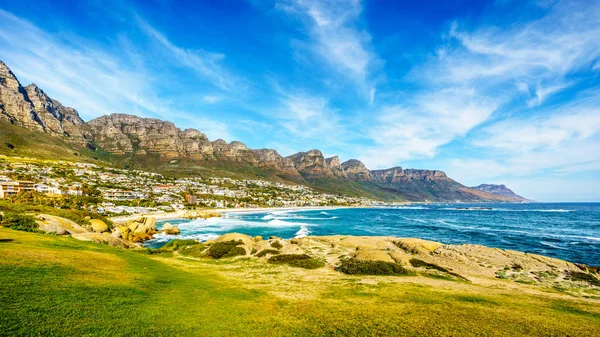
{"x":419,"y":127}
{"x":98,"y":80}
{"x":563,"y":139}
{"x":336,"y":38}
{"x":207,"y":65}
{"x":475,"y":76}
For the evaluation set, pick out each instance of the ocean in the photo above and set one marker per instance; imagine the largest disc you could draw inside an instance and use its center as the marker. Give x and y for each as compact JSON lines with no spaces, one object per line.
{"x":569,"y":231}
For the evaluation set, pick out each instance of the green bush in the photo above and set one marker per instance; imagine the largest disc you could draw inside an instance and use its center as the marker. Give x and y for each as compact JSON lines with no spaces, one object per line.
{"x":19,"y":222}
{"x":222,"y":249}
{"x":296,"y":260}
{"x":236,"y":251}
{"x":175,"y":245}
{"x":277,"y":245}
{"x":579,"y":276}
{"x":264,"y":252}
{"x":360,"y":267}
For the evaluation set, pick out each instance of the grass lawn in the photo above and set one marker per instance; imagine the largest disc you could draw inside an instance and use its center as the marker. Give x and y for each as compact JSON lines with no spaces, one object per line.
{"x":56,"y":286}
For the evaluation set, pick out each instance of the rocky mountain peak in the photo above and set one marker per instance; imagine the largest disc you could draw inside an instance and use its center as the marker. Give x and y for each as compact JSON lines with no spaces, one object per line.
{"x":32,"y":109}
{"x":355,"y":169}
{"x":311,"y":163}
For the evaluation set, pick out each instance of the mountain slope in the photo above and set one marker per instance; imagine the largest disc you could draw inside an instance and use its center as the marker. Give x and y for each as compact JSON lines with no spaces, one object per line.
{"x":499,"y":190}
{"x":152,"y":144}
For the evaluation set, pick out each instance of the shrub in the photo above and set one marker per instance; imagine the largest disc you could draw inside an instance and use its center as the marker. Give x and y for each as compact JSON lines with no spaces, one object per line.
{"x":177,"y":244}
{"x":267,"y":251}
{"x":579,"y":276}
{"x":236,"y":251}
{"x":360,"y":267}
{"x":277,"y":245}
{"x":20,"y":222}
{"x":296,"y":260}
{"x":222,"y":249}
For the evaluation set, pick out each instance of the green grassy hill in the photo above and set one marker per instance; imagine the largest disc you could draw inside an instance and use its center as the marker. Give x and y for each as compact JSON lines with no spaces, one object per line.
{"x":56,"y":286}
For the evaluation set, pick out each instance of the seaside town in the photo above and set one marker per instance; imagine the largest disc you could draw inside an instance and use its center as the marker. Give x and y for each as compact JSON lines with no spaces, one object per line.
{"x":111,"y":191}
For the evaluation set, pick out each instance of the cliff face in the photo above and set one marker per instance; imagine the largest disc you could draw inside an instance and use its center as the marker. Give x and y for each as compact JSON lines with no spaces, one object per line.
{"x":126,"y":134}
{"x":32,"y":109}
{"x":356,"y":170}
{"x":311,"y":163}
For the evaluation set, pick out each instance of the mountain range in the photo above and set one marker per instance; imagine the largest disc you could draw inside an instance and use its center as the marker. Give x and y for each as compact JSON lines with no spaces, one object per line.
{"x":152,"y":144}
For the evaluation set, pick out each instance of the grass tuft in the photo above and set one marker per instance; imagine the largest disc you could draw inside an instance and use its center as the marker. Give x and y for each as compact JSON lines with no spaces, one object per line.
{"x":296,"y":260}
{"x":360,"y":267}
{"x":225,"y":249}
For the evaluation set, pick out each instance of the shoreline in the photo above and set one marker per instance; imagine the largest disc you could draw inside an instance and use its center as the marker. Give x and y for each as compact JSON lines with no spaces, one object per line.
{"x":161,"y":216}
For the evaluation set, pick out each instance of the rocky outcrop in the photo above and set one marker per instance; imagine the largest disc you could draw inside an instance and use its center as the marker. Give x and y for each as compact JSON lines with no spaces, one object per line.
{"x":126,"y":134}
{"x":202,"y":214}
{"x":98,"y":226}
{"x":32,"y":109}
{"x":311,"y":163}
{"x":336,"y":167}
{"x":169,"y":229}
{"x":355,"y":169}
{"x":499,"y":190}
{"x":56,"y":118}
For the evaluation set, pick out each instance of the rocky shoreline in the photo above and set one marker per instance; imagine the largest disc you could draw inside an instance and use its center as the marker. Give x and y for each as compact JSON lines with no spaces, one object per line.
{"x":378,"y":255}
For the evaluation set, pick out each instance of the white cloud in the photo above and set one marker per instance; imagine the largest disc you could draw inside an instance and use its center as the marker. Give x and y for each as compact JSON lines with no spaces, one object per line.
{"x":336,"y":38}
{"x":212,"y":99}
{"x":419,"y":127}
{"x":563,"y":140}
{"x":98,"y":80}
{"x":476,"y":74}
{"x":309,"y":117}
{"x":206,"y":64}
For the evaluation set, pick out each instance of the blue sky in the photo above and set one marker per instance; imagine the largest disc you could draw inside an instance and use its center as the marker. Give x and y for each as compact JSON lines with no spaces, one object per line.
{"x":490,"y":92}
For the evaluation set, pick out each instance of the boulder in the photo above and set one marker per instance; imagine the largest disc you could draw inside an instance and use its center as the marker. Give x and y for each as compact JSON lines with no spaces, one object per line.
{"x":247,"y":240}
{"x":257,"y":238}
{"x":170,"y":229}
{"x":98,"y":226}
{"x":57,"y":225}
{"x":103,"y":238}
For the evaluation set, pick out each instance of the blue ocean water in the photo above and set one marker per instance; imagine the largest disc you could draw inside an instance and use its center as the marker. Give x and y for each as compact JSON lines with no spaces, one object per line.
{"x":569,"y":231}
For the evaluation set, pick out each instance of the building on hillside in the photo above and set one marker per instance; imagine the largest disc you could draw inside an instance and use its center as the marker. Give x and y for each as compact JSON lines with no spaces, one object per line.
{"x":122,"y":195}
{"x":26,"y":186}
{"x":191,"y":199}
{"x":9,"y":187}
{"x":43,"y":188}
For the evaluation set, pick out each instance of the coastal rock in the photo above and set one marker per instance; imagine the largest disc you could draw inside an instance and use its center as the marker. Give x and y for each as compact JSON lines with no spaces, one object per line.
{"x":247,"y":240}
{"x":373,"y":255}
{"x":104,"y":238}
{"x":170,"y":229}
{"x":57,"y":225}
{"x":98,"y":226}
{"x":203,"y":214}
